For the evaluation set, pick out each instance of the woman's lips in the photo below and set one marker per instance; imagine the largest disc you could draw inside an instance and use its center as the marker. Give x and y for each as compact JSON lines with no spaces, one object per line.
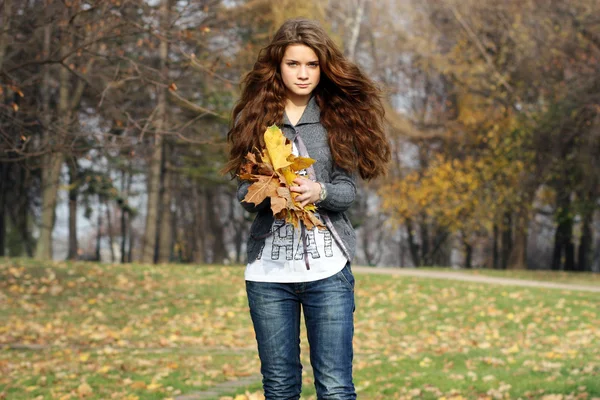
{"x":302,"y":85}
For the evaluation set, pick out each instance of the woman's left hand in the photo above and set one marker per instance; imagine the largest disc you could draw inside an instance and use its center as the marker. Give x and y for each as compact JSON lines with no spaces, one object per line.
{"x":308,"y":191}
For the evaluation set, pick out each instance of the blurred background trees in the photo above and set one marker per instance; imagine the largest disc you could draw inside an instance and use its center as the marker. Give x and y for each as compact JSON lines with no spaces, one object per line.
{"x":113,"y":115}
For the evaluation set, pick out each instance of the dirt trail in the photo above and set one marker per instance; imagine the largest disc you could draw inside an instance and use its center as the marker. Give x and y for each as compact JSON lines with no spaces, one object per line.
{"x":458,"y":276}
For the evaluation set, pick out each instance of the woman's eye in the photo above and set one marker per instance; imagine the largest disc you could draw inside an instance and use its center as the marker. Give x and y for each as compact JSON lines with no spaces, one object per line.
{"x":291,"y":64}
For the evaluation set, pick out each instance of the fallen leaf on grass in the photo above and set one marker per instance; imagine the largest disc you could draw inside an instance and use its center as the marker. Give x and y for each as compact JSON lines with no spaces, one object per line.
{"x":154,"y":386}
{"x":84,"y":389}
{"x":138,"y":385}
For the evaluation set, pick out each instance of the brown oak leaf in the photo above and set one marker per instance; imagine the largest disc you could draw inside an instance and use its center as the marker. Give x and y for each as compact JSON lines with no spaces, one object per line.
{"x":265,"y":186}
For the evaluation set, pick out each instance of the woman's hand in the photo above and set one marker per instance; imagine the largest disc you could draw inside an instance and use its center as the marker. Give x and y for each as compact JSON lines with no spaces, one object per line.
{"x":308,"y":191}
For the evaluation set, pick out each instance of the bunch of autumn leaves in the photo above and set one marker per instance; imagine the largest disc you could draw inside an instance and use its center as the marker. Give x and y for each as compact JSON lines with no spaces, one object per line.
{"x":272,"y":172}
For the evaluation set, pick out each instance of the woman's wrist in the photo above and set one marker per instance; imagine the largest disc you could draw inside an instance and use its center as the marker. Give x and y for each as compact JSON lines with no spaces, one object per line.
{"x":322,"y":192}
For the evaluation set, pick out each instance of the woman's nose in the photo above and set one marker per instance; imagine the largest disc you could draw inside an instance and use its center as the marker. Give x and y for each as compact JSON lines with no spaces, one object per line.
{"x":303,"y":73}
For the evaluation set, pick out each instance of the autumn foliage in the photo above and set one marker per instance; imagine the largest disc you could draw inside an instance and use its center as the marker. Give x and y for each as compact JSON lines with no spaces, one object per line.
{"x":273,"y":171}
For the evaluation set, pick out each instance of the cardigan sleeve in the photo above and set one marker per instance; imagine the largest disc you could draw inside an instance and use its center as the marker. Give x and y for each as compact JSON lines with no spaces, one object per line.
{"x":341,"y":191}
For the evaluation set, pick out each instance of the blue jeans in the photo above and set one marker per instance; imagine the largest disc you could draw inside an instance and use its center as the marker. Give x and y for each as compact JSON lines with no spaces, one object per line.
{"x":328,"y":306}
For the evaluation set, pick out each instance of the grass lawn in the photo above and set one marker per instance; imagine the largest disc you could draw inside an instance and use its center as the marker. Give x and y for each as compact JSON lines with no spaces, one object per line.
{"x":85,"y":330}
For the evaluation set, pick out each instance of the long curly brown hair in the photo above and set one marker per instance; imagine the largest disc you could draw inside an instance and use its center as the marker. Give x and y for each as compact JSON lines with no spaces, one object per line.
{"x":350,"y":103}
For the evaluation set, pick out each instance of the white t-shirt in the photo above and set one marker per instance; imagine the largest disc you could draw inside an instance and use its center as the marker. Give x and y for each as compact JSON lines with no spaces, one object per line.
{"x":282,"y":257}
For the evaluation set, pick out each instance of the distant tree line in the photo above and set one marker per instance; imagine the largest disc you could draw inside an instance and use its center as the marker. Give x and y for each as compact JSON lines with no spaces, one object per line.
{"x":123,"y":106}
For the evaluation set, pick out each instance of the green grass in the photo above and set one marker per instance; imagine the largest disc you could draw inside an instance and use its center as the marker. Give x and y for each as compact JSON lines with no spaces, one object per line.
{"x":155,"y":332}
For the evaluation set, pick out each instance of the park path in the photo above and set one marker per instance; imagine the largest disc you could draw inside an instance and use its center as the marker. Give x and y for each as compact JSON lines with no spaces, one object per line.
{"x":459,"y":276}
{"x":221,"y":389}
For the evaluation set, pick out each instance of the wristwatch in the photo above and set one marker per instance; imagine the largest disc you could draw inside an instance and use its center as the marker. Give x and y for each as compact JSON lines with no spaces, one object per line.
{"x":323,"y":194}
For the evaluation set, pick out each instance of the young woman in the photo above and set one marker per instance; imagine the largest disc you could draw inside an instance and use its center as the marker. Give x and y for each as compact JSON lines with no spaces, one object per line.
{"x":332,"y":113}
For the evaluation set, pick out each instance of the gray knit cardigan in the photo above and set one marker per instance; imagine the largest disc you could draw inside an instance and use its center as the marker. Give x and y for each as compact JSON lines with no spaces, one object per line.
{"x":341,"y":186}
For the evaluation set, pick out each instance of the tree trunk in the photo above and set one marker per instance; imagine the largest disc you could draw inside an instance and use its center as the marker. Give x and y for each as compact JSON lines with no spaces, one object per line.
{"x":412,"y":246}
{"x":557,"y":251}
{"x":52,"y":162}
{"x":219,"y":252}
{"x":199,"y":239}
{"x":468,"y":254}
{"x":3,"y":192}
{"x":4,"y":167}
{"x":401,"y":252}
{"x":68,"y":100}
{"x":355,"y":30}
{"x":439,"y":254}
{"x":165,"y":238}
{"x":109,"y":232}
{"x":50,"y":182}
{"x":149,"y":246}
{"x":99,"y":231}
{"x":563,"y":255}
{"x":585,"y":244}
{"x":425,"y":248}
{"x":570,"y":253}
{"x":518,"y":255}
{"x":149,"y":250}
{"x":123,"y":236}
{"x":237,"y":230}
{"x":131,"y":239}
{"x":4,"y":33}
{"x":22,"y":216}
{"x":176,"y":244}
{"x":124,"y":177}
{"x":507,"y":242}
{"x":365,"y":244}
{"x":495,"y":258}
{"x":73,"y":192}
{"x":129,"y":223}
{"x":238,"y":242}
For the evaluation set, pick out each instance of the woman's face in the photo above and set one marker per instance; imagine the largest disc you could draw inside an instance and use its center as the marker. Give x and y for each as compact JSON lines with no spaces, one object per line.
{"x":300,"y":71}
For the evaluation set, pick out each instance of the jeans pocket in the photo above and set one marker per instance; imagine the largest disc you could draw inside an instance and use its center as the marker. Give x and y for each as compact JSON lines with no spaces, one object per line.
{"x":347,"y":277}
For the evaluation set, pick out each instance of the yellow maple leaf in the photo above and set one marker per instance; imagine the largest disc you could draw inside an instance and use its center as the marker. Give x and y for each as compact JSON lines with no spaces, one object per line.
{"x":310,"y":207}
{"x":289,"y":176}
{"x":277,"y":146}
{"x":300,"y":163}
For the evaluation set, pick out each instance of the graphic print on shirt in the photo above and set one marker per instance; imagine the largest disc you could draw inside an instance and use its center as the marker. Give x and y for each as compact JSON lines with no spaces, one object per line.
{"x":328,"y":243}
{"x":311,"y":246}
{"x":283,"y":236}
